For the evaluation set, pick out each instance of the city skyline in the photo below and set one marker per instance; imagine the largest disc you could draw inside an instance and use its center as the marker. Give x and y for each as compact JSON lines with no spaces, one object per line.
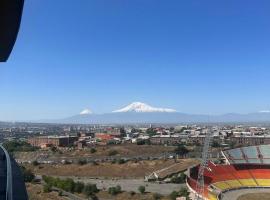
{"x":197,"y":58}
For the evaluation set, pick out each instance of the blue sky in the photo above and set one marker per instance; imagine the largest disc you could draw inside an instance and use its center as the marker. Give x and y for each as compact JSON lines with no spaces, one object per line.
{"x":194,"y":56}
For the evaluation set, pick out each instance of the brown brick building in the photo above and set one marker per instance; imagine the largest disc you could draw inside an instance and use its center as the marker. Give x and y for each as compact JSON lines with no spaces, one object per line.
{"x":58,"y":141}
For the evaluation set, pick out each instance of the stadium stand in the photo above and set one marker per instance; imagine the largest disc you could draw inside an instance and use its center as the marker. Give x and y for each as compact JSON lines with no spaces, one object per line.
{"x":247,"y":167}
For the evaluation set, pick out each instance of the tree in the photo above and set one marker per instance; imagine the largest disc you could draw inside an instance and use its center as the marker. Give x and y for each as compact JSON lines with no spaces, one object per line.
{"x":118,"y":188}
{"x":151,"y":132}
{"x":93,"y":197}
{"x":60,"y":193}
{"x":232,"y":144}
{"x":181,"y":150}
{"x":183,"y":192}
{"x":115,"y":190}
{"x":28,"y":175}
{"x":67,"y":184}
{"x":143,"y":142}
{"x":215,"y":144}
{"x":141,"y":189}
{"x":35,"y":163}
{"x":173,"y":195}
{"x":15,"y":145}
{"x":79,"y":186}
{"x":112,"y":153}
{"x":122,"y":132}
{"x":93,"y":150}
{"x":53,"y":149}
{"x":179,"y":179}
{"x":157,"y":196}
{"x":82,"y":161}
{"x":47,"y":188}
{"x":121,"y":161}
{"x":132,"y":193}
{"x":90,"y":189}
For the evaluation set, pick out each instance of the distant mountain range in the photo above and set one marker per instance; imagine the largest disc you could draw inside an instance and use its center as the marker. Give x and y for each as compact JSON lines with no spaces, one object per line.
{"x":138,"y":112}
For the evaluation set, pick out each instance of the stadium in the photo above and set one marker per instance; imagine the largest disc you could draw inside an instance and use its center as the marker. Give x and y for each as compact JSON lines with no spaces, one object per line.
{"x":244,"y":168}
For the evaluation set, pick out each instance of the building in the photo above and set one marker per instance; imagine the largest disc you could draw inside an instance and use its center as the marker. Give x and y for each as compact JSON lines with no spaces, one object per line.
{"x":104,"y":136}
{"x":58,"y":141}
{"x":250,"y":140}
{"x":168,"y":139}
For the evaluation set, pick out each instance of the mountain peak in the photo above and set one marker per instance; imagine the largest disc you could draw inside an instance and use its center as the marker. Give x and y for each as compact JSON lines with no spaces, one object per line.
{"x":86,"y":112}
{"x":142,"y":107}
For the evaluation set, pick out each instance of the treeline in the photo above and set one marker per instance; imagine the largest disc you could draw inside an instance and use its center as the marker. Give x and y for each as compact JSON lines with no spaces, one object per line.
{"x":69,"y":185}
{"x":12,"y":146}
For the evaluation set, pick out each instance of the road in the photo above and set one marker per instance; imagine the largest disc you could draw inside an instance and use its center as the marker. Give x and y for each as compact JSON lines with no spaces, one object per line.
{"x":131,"y":185}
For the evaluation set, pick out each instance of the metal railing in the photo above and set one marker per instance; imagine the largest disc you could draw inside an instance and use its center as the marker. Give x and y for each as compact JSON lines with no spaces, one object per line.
{"x":9,"y":192}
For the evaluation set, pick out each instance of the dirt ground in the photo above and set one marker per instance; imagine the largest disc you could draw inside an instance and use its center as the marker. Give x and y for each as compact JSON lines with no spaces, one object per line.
{"x":126,"y":150}
{"x":35,"y":192}
{"x":129,"y":196}
{"x":255,"y":196}
{"x":130,"y":169}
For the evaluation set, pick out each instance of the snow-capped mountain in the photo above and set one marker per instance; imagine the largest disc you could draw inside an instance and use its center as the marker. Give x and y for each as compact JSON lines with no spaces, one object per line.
{"x":86,"y":112}
{"x":139,"y":112}
{"x":142,"y":108}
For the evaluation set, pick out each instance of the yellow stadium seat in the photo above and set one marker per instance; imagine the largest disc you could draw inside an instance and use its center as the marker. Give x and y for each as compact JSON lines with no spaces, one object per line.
{"x":234,"y":183}
{"x":263,"y":182}
{"x":248,"y":182}
{"x":222,"y":185}
{"x":212,"y":196}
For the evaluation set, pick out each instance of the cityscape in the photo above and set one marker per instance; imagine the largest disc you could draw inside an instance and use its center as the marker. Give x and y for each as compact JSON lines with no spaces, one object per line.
{"x":127,"y":156}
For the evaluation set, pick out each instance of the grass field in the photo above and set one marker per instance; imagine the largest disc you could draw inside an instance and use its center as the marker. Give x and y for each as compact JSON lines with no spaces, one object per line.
{"x":255,"y":196}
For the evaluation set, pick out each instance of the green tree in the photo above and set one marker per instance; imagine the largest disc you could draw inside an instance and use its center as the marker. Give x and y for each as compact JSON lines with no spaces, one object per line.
{"x":157,"y":196}
{"x":79,"y":186}
{"x":121,"y":161}
{"x":35,"y":163}
{"x":28,"y":175}
{"x":68,"y":185}
{"x":181,"y":150}
{"x":82,"y":161}
{"x":90,"y":189}
{"x":141,"y":189}
{"x":47,"y":188}
{"x":115,"y":190}
{"x":183,"y":192}
{"x":112,"y":153}
{"x":93,"y":150}
{"x":179,"y":179}
{"x":215,"y":144}
{"x":151,"y":132}
{"x":15,"y":145}
{"x":174,"y":195}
